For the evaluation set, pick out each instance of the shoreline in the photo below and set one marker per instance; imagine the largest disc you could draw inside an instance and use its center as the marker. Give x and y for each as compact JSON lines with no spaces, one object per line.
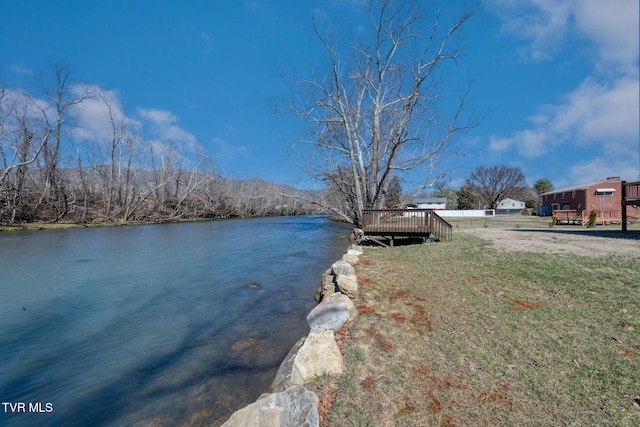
{"x":45,"y":226}
{"x":292,"y":395}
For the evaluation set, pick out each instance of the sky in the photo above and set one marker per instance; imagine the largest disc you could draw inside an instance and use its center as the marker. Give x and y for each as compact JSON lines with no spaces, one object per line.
{"x":556,"y":81}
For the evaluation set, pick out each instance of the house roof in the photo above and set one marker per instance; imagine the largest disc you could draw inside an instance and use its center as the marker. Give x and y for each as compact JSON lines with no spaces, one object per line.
{"x":577,"y":187}
{"x":507,"y":200}
{"x":430,"y":200}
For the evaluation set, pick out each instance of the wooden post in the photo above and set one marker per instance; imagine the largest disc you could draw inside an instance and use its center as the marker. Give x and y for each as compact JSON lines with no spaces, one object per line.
{"x":624,"y":205}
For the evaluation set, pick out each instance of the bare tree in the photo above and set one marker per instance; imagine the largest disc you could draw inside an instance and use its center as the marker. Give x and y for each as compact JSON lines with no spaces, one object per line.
{"x":495,"y":183}
{"x":22,"y":140}
{"x":12,"y":151}
{"x":377,"y":111}
{"x":56,"y":86}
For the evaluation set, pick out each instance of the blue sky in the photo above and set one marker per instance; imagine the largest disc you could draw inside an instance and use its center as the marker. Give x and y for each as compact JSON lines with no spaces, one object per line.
{"x":557,"y":80}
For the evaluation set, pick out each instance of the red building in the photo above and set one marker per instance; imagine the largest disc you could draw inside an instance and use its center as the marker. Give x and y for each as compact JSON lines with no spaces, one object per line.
{"x":598,"y":196}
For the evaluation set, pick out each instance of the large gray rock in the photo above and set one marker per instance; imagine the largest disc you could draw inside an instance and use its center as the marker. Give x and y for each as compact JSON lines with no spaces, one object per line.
{"x":351,"y":307}
{"x":295,"y":406}
{"x":351,"y":259}
{"x":282,"y":381}
{"x":318,"y":355}
{"x":355,"y":250}
{"x":329,"y":315}
{"x":342,"y":267}
{"x":348,"y":284}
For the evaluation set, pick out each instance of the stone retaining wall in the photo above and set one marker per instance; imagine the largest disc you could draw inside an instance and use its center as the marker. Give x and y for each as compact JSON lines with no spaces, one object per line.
{"x":289,"y":402}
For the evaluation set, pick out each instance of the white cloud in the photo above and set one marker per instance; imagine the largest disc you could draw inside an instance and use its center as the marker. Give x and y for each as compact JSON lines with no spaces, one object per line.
{"x":24,"y":105}
{"x":613,"y":27}
{"x":95,"y":112}
{"x":164,"y":125}
{"x":543,"y":22}
{"x":529,"y":143}
{"x":594,"y":113}
{"x":602,"y":112}
{"x":609,"y":27}
{"x":601,"y":168}
{"x":18,"y":69}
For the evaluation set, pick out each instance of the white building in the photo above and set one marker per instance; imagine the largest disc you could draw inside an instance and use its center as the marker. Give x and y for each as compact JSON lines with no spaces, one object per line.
{"x":429,"y":203}
{"x":508,"y":206}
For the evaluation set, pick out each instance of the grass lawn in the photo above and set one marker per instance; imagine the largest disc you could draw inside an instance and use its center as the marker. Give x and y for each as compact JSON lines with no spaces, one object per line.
{"x":464,"y":334}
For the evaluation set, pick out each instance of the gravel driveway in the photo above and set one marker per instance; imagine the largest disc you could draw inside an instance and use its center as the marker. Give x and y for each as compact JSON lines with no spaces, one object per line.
{"x":578,"y":241}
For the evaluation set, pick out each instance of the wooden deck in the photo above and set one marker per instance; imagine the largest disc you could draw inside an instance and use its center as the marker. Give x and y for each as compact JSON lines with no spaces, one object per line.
{"x":392,"y":223}
{"x":582,"y":217}
{"x":630,"y":197}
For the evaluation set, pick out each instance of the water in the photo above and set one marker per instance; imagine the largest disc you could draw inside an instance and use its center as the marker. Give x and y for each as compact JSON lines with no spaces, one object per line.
{"x":154,"y":324}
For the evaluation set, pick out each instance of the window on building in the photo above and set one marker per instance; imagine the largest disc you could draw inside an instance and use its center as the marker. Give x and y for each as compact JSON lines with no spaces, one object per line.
{"x":605,"y":191}
{"x":573,"y":194}
{"x":562,"y":196}
{"x":555,"y":196}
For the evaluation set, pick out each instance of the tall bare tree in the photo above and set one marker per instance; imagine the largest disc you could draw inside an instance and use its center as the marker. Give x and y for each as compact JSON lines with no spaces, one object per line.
{"x":493,"y":184}
{"x":56,"y":85}
{"x":378,"y":108}
{"x":22,"y":139}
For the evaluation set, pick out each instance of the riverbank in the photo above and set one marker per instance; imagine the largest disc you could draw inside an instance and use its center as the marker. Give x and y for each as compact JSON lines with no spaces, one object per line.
{"x":35,"y":226}
{"x":290,"y":400}
{"x":511,"y":323}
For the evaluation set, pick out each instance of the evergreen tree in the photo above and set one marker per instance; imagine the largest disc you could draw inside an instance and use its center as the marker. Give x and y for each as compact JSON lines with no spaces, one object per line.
{"x":543,"y":185}
{"x":466,"y":199}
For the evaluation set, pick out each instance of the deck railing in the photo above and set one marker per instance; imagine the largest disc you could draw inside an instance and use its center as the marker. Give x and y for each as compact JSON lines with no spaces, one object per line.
{"x":406,"y":222}
{"x":582,"y":217}
{"x":630,"y":197}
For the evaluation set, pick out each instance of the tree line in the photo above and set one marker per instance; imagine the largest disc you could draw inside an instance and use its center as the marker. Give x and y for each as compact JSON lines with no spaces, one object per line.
{"x":487,"y":186}
{"x":51,"y":173}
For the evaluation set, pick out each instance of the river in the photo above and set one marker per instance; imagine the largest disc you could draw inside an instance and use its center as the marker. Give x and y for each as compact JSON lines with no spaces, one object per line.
{"x":154,"y":324}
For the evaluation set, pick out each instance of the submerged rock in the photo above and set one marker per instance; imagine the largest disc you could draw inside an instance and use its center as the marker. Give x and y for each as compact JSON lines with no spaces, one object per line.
{"x":252,"y":353}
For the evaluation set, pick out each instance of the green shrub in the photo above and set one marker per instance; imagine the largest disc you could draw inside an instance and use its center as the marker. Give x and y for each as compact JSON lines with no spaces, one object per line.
{"x":592,"y":219}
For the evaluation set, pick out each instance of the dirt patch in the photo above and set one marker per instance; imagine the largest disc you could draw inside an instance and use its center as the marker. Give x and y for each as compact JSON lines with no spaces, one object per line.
{"x":560,"y":241}
{"x":519,"y":305}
